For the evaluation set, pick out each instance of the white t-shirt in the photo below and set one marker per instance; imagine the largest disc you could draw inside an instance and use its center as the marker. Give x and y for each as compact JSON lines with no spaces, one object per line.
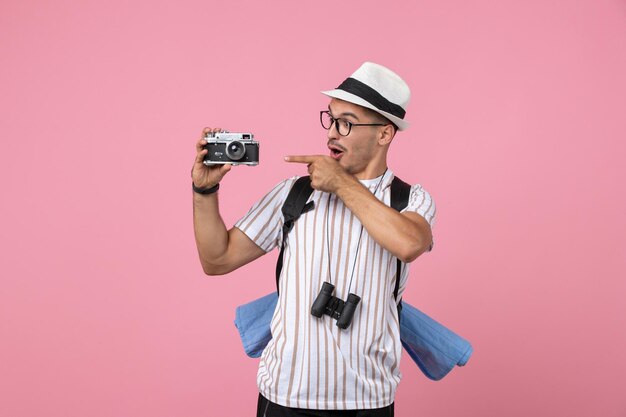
{"x":310,"y":362}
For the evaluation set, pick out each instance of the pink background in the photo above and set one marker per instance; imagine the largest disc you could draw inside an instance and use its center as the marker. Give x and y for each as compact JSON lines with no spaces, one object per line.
{"x":518,"y":132}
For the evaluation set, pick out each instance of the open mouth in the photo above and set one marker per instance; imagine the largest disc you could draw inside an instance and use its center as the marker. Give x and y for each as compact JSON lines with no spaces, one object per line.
{"x":335,"y":152}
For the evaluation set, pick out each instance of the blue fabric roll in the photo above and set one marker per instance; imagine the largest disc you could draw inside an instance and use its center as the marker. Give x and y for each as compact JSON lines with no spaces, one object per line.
{"x":253,"y":322}
{"x":434,"y":348}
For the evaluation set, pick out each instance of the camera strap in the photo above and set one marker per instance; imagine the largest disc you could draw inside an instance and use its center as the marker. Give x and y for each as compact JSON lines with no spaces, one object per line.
{"x":296,"y":205}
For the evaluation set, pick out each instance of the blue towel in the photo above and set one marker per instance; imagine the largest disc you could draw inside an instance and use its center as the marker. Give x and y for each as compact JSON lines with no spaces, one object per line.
{"x":435,"y":349}
{"x":253,"y":322}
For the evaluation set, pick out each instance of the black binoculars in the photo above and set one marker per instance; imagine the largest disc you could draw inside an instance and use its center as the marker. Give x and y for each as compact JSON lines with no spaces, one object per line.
{"x":327,"y":303}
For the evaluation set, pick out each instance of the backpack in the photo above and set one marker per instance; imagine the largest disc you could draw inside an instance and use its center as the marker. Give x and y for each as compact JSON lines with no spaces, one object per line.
{"x":296,"y":205}
{"x":434,"y":348}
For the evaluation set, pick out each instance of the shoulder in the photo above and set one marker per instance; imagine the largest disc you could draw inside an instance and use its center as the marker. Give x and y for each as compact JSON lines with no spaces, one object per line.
{"x":419,"y":189}
{"x":285,"y":186}
{"x":416,"y":190}
{"x":422,"y":203}
{"x":419,"y":196}
{"x":278,"y":194}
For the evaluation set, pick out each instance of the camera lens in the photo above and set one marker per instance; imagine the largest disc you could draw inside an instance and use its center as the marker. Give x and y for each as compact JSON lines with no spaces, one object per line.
{"x":235,"y":150}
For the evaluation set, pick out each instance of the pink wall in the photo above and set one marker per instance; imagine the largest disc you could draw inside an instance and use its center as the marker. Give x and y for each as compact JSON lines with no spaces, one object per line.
{"x":518,"y":132}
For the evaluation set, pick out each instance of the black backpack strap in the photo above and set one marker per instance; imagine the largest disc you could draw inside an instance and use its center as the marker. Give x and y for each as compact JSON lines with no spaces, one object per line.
{"x":400,"y":192}
{"x":295,"y":205}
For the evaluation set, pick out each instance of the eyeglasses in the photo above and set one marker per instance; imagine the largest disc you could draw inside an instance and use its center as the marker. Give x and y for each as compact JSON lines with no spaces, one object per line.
{"x":343,"y":126}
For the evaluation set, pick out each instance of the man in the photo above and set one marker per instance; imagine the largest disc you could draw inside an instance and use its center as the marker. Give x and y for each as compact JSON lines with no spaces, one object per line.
{"x":351,"y":239}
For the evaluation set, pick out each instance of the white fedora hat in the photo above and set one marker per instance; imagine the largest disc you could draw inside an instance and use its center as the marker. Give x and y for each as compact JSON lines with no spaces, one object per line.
{"x":377,"y":88}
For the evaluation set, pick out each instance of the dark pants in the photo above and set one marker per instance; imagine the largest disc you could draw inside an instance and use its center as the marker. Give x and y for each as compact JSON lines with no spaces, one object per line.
{"x":266,"y":408}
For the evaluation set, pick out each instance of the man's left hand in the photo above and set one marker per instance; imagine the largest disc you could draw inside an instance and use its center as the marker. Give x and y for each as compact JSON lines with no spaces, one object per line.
{"x":326,"y":173}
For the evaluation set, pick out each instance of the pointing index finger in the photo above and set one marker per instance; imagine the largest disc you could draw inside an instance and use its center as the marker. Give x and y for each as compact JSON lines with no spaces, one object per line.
{"x":301,"y":159}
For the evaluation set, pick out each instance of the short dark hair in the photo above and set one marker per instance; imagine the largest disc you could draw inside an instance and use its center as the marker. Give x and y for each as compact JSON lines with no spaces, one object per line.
{"x":379,"y":118}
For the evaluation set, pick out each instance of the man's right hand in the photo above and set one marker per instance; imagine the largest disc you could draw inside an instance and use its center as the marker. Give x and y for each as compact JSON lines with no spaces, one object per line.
{"x":221,"y":251}
{"x":204,"y":176}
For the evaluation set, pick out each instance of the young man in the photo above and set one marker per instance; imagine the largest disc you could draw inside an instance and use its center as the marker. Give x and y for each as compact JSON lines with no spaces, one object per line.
{"x":351,"y":239}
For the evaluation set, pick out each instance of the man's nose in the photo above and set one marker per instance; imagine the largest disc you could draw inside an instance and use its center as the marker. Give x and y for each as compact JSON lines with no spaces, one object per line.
{"x":333,"y":133}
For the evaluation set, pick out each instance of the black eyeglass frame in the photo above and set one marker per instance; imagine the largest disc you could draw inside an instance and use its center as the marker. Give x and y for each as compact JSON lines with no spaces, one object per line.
{"x":350,"y":124}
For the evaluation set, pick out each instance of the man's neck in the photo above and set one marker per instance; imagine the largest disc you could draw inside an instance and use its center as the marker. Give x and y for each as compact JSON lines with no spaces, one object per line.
{"x":372,"y":171}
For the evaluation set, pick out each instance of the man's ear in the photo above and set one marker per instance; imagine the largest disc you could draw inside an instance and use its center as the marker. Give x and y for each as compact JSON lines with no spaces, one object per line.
{"x":386,"y":135}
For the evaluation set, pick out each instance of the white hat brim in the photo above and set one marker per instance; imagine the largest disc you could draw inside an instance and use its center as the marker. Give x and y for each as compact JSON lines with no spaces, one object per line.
{"x":351,"y":98}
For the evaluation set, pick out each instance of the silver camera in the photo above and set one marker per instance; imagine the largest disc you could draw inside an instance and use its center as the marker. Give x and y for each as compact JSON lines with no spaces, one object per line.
{"x":231,"y":148}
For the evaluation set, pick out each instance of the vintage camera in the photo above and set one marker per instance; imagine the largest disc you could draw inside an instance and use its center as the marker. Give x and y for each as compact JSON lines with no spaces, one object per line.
{"x":327,"y":303}
{"x":231,"y":148}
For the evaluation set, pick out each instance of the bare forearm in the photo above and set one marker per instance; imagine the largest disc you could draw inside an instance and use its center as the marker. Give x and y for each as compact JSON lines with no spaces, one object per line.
{"x":220,"y":250}
{"x":209,"y":228}
{"x":390,"y":229}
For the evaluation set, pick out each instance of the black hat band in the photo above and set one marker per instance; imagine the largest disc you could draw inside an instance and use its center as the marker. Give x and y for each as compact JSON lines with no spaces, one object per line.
{"x":367,"y":93}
